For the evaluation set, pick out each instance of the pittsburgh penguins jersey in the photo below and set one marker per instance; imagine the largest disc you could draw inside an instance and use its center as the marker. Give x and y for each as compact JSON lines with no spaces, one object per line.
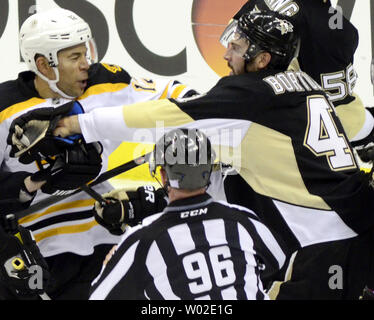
{"x":195,"y":249}
{"x":280,"y":133}
{"x":69,"y":226}
{"x":327,"y":47}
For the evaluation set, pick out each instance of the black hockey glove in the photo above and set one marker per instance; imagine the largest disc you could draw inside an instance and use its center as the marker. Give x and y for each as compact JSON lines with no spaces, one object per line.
{"x":128,"y":207}
{"x":23,"y":269}
{"x":366,"y":153}
{"x":76,"y":166}
{"x":31,"y":134}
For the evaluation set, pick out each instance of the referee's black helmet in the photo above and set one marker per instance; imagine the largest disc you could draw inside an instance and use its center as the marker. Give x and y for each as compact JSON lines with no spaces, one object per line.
{"x":187,"y":157}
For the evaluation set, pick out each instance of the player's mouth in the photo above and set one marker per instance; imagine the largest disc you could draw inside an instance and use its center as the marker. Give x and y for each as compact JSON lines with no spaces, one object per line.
{"x":83,"y":84}
{"x":231,"y":69}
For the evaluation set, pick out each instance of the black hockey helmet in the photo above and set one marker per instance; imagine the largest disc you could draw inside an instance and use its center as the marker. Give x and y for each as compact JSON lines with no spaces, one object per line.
{"x":187,"y":157}
{"x":244,"y":9}
{"x":265,"y":30}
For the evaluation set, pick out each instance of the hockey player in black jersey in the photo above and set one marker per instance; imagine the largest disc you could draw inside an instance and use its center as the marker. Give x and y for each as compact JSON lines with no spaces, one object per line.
{"x":196,"y":248}
{"x":296,"y":166}
{"x":327,"y":54}
{"x":334,"y":72}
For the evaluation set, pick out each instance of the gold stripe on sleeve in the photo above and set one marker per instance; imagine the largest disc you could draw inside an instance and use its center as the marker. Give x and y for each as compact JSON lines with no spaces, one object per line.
{"x":18,"y":107}
{"x":103,"y":88}
{"x":63,"y":206}
{"x":146,"y":114}
{"x":178,"y":91}
{"x":164,"y":94}
{"x":65,"y":230}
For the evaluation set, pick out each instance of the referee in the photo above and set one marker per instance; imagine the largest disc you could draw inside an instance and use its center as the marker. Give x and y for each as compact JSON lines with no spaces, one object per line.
{"x":196,"y":248}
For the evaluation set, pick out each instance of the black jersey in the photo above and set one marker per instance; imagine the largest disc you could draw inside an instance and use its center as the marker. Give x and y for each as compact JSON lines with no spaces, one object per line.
{"x":297,"y":154}
{"x":280,"y":132}
{"x":195,"y":249}
{"x":327,"y":44}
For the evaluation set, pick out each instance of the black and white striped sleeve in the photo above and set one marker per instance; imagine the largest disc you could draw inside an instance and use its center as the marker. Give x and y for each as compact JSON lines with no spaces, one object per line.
{"x":266,"y":246}
{"x":119,"y":279}
{"x":117,"y":273}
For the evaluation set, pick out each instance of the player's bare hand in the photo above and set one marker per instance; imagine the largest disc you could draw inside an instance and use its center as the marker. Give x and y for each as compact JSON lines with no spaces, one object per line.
{"x":67,"y":126}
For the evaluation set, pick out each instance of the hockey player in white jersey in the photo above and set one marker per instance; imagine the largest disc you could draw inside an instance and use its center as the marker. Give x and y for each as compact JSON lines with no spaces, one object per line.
{"x":59,"y":51}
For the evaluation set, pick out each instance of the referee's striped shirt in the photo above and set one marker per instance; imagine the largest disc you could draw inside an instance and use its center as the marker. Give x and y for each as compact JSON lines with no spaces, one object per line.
{"x":195,"y":249}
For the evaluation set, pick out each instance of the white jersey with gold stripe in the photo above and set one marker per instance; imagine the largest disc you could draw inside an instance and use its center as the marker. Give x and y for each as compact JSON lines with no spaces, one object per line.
{"x":69,"y":225}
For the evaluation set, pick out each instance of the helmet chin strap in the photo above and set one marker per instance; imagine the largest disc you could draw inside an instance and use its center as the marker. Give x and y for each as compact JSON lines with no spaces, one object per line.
{"x":245,"y":65}
{"x":53,"y":84}
{"x":163,"y":187}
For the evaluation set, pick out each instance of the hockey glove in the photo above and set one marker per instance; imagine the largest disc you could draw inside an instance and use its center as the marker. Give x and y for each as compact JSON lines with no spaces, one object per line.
{"x":366,"y":153}
{"x":128,"y":207}
{"x":31,"y":134}
{"x":68,"y":171}
{"x":23,"y":269}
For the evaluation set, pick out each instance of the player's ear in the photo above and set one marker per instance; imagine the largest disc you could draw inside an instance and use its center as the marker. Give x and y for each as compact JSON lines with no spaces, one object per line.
{"x":43,"y":66}
{"x":262,"y":60}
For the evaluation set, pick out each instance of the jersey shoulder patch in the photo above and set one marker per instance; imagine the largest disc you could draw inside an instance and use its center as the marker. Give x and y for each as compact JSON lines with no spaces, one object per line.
{"x":107,"y":73}
{"x":112,"y":67}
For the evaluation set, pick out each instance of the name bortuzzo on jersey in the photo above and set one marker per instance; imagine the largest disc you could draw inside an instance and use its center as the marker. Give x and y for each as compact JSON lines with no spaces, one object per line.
{"x":208,"y":250}
{"x":291,"y":81}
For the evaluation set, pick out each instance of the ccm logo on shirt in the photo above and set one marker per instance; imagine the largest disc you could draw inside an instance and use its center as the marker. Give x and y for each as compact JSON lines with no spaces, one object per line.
{"x":194,"y":213}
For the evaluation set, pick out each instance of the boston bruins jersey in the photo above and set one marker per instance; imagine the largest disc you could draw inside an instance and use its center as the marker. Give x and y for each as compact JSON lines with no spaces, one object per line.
{"x":195,"y":249}
{"x":280,"y":132}
{"x":69,"y":226}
